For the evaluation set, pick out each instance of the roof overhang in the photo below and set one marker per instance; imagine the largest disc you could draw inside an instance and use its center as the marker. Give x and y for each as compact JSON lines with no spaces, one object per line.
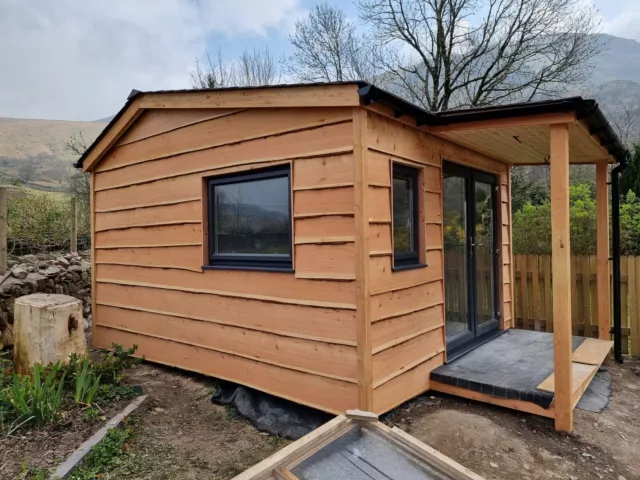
{"x":516,"y":133}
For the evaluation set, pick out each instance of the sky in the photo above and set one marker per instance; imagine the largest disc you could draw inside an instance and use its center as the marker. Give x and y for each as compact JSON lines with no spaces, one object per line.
{"x":79,"y":59}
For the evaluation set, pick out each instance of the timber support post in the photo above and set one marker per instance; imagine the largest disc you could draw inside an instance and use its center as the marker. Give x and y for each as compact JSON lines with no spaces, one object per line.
{"x":603,"y":276}
{"x":561,"y":273}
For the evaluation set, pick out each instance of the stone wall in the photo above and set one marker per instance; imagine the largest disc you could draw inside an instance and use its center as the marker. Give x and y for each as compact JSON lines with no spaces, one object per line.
{"x":47,"y":273}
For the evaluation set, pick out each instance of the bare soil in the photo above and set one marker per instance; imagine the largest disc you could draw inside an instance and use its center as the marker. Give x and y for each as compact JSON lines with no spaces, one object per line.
{"x":28,"y":450}
{"x":503,"y":444}
{"x":184,"y":436}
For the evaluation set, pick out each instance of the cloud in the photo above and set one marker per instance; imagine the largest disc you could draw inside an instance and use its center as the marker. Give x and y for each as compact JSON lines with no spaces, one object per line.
{"x":626,"y":25}
{"x":78,"y":59}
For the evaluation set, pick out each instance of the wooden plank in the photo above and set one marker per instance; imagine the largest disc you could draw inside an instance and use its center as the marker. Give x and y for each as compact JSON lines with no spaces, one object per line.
{"x":185,"y":234}
{"x":267,"y":286}
{"x":327,"y":140}
{"x":580,"y":373}
{"x":561,"y":271}
{"x":243,"y":126}
{"x":585,"y":308}
{"x":380,"y":200}
{"x":331,"y":360}
{"x":390,"y":332}
{"x":624,"y":299}
{"x":179,"y":213}
{"x":574,"y":294}
{"x":593,"y":294}
{"x":74,"y":225}
{"x":433,"y":214}
{"x":406,"y":386}
{"x":634,"y":300}
{"x":629,"y":299}
{"x":548,"y":297}
{"x":396,"y":360}
{"x":332,"y":226}
{"x":380,"y":238}
{"x":297,"y":321}
{"x":323,"y":393}
{"x":300,"y":447}
{"x":390,"y":137}
{"x":4,"y":198}
{"x":111,"y":136}
{"x":521,"y":121}
{"x":267,"y":97}
{"x":155,"y":122}
{"x":320,"y":202}
{"x":326,"y":261}
{"x":532,"y":266}
{"x":523,"y":301}
{"x":361,"y":415}
{"x":183,"y":258}
{"x":592,"y":351}
{"x":92,"y":214}
{"x":405,"y":301}
{"x":362,"y":209}
{"x":384,"y":279}
{"x":378,"y":170}
{"x":519,"y":405}
{"x":323,"y":171}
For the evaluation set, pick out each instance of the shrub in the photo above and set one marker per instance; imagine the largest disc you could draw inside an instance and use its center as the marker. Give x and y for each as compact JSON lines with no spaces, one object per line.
{"x":36,"y":400}
{"x":116,"y":362}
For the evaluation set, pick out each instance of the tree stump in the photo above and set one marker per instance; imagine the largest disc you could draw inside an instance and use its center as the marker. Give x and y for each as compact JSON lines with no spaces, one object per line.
{"x":46,"y":329}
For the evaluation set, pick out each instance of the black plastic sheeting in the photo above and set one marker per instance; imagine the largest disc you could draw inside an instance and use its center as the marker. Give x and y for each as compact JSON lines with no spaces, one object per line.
{"x":270,"y":414}
{"x":598,"y":394}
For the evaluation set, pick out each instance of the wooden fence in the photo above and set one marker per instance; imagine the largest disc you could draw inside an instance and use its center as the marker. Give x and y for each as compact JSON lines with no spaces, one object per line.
{"x":533,"y":296}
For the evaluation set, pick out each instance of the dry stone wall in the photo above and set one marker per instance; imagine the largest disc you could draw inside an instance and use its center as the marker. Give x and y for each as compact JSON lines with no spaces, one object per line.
{"x":65,"y":273}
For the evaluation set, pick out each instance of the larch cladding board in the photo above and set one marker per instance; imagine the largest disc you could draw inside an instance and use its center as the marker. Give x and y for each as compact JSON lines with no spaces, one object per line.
{"x":407,"y":307}
{"x":289,"y":334}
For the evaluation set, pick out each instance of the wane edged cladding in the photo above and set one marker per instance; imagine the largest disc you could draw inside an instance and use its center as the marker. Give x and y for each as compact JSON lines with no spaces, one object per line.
{"x":289,"y":334}
{"x":343,"y":330}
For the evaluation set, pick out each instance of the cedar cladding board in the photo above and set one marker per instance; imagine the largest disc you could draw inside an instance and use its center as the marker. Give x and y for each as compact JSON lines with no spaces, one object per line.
{"x":290,"y":334}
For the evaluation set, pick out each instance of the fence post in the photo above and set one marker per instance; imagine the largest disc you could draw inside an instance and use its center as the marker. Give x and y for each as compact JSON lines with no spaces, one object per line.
{"x":4,"y":197}
{"x":74,"y":225}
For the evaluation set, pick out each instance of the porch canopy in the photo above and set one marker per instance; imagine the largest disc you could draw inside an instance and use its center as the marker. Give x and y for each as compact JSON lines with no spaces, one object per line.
{"x":555,"y":133}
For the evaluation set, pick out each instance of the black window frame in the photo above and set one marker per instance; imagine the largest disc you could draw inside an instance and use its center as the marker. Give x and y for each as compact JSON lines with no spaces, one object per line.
{"x":408,"y":260}
{"x":260,"y":262}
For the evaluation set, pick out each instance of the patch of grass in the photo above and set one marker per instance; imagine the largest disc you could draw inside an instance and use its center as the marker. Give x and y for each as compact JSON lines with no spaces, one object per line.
{"x":37,"y":398}
{"x":232,"y":466}
{"x":28,"y":473}
{"x":104,"y":456}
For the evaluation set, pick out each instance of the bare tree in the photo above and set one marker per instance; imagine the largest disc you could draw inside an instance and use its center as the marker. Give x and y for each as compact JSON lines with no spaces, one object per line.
{"x":327,"y":48}
{"x":78,"y":183}
{"x":257,"y":68}
{"x":254,"y":68}
{"x":624,"y":117}
{"x":215,"y":74}
{"x":27,"y":171}
{"x":470,"y":53}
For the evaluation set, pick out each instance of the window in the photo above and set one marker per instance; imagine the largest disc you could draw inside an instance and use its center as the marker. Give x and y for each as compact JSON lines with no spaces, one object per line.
{"x":250,"y":220}
{"x":405,"y":217}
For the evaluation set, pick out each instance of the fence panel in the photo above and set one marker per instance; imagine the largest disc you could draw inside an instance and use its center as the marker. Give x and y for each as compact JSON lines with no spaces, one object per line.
{"x":533,"y":296}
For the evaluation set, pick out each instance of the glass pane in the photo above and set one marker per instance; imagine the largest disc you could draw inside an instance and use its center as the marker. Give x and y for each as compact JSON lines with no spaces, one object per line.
{"x":363,"y":455}
{"x":253,"y":217}
{"x":403,"y":214}
{"x":455,"y":254}
{"x":485,"y":276}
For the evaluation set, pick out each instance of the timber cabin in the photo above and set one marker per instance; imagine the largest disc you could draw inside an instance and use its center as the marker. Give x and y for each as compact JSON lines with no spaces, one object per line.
{"x":333,"y":244}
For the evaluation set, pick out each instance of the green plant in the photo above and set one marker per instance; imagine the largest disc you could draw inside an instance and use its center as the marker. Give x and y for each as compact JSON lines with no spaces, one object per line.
{"x":105,"y":455}
{"x":37,"y":400}
{"x":110,"y":392}
{"x":86,"y":384}
{"x":91,"y":414}
{"x":116,"y":362}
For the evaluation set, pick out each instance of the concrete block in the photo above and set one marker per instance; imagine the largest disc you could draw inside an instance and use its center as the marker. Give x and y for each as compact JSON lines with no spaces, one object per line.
{"x":47,"y":329}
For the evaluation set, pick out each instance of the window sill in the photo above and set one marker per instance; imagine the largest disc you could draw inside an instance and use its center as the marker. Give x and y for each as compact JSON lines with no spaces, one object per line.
{"x":247,"y":268}
{"x":411,"y":266}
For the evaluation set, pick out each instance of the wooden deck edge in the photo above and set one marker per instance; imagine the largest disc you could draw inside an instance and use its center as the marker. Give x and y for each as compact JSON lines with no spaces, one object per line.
{"x":519,"y":405}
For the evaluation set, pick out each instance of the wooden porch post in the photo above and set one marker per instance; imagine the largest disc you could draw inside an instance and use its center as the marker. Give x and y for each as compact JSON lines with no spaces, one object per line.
{"x":602,"y":225}
{"x":561,"y":271}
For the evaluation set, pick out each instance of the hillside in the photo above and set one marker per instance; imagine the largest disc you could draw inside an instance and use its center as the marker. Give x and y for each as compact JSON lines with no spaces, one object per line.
{"x":34,"y":150}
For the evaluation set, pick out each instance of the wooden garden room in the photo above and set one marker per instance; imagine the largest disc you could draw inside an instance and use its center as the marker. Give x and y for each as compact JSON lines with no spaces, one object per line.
{"x":308,"y":240}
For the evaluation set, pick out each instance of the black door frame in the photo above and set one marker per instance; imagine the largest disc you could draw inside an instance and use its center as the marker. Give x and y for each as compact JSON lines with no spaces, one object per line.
{"x":476,"y":333}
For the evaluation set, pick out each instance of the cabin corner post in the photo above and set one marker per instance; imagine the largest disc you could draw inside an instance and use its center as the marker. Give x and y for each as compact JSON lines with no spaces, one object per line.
{"x":602,"y":226}
{"x":363,"y":295}
{"x":561,"y":274}
{"x":92,"y":218}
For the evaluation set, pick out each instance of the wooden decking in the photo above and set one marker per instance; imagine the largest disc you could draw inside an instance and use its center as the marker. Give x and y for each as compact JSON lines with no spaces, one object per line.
{"x":515,"y":370}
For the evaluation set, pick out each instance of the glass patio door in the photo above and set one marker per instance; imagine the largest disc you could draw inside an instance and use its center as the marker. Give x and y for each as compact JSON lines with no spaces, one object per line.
{"x":470,"y":255}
